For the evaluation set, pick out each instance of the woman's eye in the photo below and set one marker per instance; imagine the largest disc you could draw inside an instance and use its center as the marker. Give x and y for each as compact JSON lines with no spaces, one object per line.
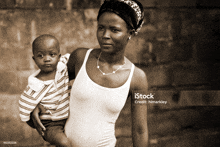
{"x":100,"y":28}
{"x":115,"y":30}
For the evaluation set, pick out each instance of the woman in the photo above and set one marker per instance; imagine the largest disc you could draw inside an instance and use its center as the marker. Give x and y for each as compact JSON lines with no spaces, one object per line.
{"x":104,"y":78}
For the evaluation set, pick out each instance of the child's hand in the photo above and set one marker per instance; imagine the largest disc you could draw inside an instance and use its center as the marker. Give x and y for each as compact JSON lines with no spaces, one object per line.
{"x":37,"y":122}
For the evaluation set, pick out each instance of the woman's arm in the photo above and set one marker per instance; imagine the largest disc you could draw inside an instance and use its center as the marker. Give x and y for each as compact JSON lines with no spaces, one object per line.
{"x":139,"y":109}
{"x":36,"y":120}
{"x":71,"y":65}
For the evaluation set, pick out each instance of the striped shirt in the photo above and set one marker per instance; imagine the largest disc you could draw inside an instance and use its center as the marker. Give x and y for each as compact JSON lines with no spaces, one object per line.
{"x":53,"y":95}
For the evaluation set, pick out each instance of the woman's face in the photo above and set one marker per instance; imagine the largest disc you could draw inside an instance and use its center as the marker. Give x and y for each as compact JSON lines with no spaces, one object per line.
{"x":112,"y":32}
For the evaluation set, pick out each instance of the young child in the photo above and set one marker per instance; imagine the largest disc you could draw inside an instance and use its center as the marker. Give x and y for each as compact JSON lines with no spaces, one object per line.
{"x":47,"y":90}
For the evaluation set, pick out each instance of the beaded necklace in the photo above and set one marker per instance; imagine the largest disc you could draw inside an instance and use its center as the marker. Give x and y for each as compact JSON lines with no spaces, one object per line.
{"x":114,"y":71}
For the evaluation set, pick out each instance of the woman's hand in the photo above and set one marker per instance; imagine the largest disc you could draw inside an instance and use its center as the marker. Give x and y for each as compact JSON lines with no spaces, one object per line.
{"x":36,"y":120}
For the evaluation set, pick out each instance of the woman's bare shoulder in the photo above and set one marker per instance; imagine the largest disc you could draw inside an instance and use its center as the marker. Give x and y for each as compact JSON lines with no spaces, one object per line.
{"x":79,"y":53}
{"x":139,"y":79}
{"x":75,"y":61}
{"x":77,"y":56}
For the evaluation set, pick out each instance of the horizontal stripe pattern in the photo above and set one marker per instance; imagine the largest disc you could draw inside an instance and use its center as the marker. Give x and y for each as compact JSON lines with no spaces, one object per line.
{"x":54,"y":97}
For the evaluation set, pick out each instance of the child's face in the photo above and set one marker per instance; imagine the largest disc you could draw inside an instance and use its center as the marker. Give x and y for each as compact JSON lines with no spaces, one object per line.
{"x":46,"y":57}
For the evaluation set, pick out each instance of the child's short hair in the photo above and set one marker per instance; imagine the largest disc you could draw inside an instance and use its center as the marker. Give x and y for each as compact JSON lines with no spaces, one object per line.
{"x":40,"y":39}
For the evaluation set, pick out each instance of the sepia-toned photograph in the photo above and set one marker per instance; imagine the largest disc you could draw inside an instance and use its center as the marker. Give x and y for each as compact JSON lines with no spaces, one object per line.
{"x":109,"y":73}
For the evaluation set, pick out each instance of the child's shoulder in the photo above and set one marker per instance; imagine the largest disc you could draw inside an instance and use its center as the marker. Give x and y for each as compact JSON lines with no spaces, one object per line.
{"x":34,"y":82}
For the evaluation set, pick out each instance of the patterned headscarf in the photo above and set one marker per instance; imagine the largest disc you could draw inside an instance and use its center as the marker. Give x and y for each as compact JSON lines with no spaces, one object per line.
{"x":131,"y":11}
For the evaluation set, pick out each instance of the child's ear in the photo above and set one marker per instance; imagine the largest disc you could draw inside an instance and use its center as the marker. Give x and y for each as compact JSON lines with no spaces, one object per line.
{"x":59,"y":57}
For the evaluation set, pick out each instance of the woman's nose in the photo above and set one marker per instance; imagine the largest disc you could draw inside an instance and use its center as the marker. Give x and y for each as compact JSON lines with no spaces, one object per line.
{"x":106,"y":34}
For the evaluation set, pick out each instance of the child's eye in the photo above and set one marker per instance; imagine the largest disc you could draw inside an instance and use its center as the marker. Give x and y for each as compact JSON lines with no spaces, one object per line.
{"x":40,"y":55}
{"x":52,"y":54}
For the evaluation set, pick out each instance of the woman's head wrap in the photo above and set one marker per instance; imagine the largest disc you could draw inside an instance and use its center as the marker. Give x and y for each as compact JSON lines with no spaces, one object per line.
{"x":131,"y":11}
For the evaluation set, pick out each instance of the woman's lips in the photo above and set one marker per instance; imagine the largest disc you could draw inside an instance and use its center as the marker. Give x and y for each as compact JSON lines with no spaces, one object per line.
{"x":106,"y":45}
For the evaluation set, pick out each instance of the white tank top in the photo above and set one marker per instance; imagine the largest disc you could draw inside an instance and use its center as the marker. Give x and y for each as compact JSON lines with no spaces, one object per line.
{"x":94,"y":110}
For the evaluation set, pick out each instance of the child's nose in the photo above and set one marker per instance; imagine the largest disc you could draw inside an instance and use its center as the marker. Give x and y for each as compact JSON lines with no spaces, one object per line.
{"x":47,"y":58}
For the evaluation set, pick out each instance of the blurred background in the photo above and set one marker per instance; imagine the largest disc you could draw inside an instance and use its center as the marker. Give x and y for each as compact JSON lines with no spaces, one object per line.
{"x":177,"y":48}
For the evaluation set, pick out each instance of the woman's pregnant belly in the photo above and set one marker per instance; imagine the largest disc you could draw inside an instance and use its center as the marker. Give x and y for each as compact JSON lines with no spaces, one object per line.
{"x":88,"y":133}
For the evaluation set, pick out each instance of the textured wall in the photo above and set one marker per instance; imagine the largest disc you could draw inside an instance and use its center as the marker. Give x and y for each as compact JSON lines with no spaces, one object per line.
{"x":177,"y":48}
{"x":19,"y":28}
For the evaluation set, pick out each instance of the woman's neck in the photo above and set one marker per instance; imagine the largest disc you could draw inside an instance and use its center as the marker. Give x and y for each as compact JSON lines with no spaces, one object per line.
{"x":112,"y":58}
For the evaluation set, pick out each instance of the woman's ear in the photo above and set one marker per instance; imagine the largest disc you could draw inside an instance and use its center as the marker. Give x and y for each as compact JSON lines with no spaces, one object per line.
{"x":132,"y":32}
{"x":33,"y":58}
